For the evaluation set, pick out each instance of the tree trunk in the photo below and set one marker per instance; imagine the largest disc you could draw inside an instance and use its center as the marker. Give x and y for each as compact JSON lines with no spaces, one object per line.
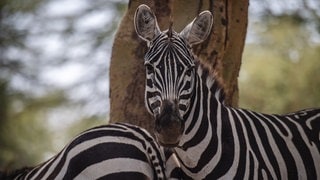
{"x":222,"y":51}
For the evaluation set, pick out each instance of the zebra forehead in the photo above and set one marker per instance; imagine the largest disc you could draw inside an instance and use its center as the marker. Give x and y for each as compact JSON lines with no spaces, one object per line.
{"x":173,"y":49}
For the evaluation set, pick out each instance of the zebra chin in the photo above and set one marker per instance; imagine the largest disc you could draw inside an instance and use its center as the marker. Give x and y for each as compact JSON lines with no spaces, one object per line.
{"x":166,"y":140}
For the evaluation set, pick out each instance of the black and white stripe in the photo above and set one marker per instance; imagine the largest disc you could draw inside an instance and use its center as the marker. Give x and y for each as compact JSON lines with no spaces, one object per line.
{"x":224,"y":142}
{"x":210,"y":139}
{"x":117,"y":151}
{"x":165,"y":79}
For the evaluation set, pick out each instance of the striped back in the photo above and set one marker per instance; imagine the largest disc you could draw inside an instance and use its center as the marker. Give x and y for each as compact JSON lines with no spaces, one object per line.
{"x":117,"y":151}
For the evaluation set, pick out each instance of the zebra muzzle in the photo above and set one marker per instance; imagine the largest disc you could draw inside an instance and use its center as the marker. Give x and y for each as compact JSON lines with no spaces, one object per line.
{"x":169,"y":125}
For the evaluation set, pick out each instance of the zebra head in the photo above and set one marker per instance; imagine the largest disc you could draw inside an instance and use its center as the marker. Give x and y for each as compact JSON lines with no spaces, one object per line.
{"x":170,"y":70}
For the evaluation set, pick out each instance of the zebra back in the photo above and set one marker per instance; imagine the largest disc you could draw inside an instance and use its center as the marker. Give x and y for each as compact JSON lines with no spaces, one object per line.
{"x":116,"y":151}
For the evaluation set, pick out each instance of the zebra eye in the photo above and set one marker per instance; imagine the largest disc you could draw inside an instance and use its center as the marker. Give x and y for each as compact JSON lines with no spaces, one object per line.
{"x":180,"y":69}
{"x":189,"y":72}
{"x":149,"y":68}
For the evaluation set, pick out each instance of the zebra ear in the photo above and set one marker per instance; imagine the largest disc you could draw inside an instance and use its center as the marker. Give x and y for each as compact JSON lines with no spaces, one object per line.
{"x":145,"y":23}
{"x":199,"y":29}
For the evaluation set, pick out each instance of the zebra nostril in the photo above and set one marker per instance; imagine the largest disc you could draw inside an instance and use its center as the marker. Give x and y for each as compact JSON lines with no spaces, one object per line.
{"x":168,"y":126}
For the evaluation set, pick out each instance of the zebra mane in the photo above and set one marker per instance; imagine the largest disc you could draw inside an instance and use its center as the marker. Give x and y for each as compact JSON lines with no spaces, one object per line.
{"x":169,"y":32}
{"x":210,"y":76}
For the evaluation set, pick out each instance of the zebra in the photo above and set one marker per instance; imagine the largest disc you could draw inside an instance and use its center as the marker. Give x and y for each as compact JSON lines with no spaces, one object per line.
{"x":114,"y":151}
{"x":210,"y":139}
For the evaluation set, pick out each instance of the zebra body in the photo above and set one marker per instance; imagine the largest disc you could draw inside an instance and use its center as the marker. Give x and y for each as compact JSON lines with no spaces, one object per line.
{"x":229,"y":143}
{"x":210,"y":139}
{"x":116,"y":151}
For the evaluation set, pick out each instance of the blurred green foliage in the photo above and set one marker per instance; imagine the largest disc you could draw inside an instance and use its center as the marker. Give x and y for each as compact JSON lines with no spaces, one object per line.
{"x":38,"y":38}
{"x":281,"y":69}
{"x":24,"y":136}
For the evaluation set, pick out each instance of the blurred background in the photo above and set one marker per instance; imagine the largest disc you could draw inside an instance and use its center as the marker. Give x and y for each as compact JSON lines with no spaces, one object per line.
{"x":54,"y":66}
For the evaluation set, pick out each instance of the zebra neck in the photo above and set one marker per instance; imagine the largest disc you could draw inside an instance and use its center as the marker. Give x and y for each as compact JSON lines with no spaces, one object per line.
{"x":210,"y":82}
{"x":204,"y":122}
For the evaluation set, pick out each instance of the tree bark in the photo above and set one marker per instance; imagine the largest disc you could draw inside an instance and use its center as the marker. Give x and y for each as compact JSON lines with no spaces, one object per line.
{"x":221,"y":51}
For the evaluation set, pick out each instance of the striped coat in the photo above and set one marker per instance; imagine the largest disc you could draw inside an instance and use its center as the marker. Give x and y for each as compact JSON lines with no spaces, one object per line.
{"x":116,"y":151}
